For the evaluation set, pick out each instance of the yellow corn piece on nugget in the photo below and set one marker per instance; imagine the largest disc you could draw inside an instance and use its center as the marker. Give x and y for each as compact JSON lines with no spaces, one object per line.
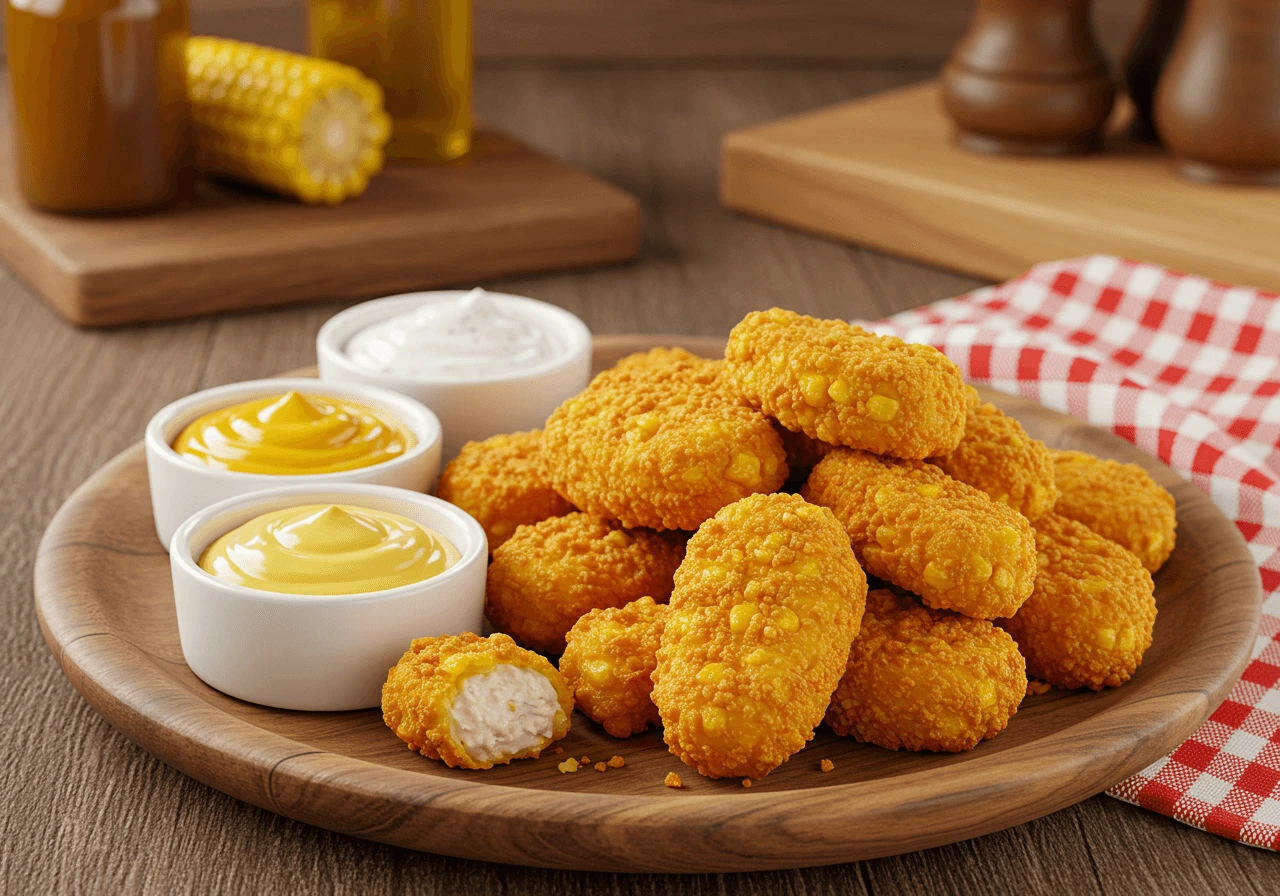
{"x":922,"y":679}
{"x":1118,"y":501}
{"x":997,"y":456}
{"x":548,"y":575}
{"x":658,"y":442}
{"x":766,"y":604}
{"x":837,"y":383}
{"x":503,"y":483}
{"x":475,"y":702}
{"x":915,"y":526}
{"x":1089,"y":620}
{"x":608,"y":662}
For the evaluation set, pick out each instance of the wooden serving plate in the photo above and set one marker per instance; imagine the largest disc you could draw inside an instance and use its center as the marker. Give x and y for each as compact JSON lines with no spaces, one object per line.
{"x":106,"y":608}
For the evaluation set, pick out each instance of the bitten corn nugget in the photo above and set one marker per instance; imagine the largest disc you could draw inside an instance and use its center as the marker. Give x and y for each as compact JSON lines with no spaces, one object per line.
{"x":915,"y":526}
{"x":608,"y":661}
{"x":475,"y":702}
{"x":658,"y":442}
{"x":922,"y":679}
{"x":550,"y":574}
{"x":503,"y":483}
{"x":765,"y":607}
{"x":997,"y":456}
{"x":1118,"y":501}
{"x":1089,"y":620}
{"x":837,"y":383}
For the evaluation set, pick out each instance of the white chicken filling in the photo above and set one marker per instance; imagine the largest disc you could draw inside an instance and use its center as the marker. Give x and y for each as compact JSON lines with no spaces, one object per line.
{"x":504,"y":711}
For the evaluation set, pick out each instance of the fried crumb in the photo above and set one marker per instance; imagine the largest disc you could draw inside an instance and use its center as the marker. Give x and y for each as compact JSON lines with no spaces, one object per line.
{"x":569,"y":765}
{"x":826,"y":765}
{"x":600,"y":766}
{"x":616,"y":762}
{"x":585,"y":760}
{"x":1035,"y":686}
{"x":746,"y":782}
{"x":673,"y":781}
{"x":559,"y":751}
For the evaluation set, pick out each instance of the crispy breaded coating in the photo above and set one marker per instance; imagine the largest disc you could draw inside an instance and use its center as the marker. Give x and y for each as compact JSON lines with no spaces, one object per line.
{"x":997,"y":456}
{"x":550,"y":574}
{"x":475,"y":702}
{"x":765,"y":607}
{"x":661,"y":443}
{"x":913,"y":525}
{"x":503,"y":483}
{"x":837,"y":383}
{"x":608,"y":661}
{"x":1089,"y":620}
{"x":1118,"y":501}
{"x":923,"y":679}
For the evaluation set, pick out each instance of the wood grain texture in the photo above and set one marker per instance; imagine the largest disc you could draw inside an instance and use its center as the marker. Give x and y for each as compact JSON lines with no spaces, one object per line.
{"x":503,"y":210}
{"x":102,"y":586}
{"x":885,"y":173}
{"x":84,"y":810}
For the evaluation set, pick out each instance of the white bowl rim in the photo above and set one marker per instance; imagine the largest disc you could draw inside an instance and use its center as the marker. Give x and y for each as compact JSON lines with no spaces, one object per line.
{"x":181,"y":554}
{"x":419,"y":418}
{"x":332,"y":338}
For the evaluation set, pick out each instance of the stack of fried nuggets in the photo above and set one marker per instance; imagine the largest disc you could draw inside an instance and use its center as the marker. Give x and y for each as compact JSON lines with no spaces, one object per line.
{"x":902,"y":471}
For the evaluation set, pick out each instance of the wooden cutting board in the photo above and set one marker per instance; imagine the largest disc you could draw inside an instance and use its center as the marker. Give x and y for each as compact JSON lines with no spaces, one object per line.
{"x":884,"y":172}
{"x":105,"y":601}
{"x":503,"y":210}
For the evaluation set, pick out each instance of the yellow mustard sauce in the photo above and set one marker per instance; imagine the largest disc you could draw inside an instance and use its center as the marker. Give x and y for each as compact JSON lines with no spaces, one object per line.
{"x":293,"y":434}
{"x":328,"y":549}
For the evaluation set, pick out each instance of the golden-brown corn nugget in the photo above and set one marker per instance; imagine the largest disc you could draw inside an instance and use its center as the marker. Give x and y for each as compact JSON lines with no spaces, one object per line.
{"x":672,"y":363}
{"x":997,"y":456}
{"x":475,"y":702}
{"x":1118,"y":501}
{"x":1089,"y":620}
{"x":550,"y":574}
{"x":660,"y":445}
{"x":837,"y":383}
{"x":503,"y":483}
{"x":608,"y":661}
{"x":923,"y":679}
{"x":765,"y":607}
{"x":915,"y":526}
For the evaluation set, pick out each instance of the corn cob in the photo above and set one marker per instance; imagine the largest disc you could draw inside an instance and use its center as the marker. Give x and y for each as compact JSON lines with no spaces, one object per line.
{"x":297,"y":125}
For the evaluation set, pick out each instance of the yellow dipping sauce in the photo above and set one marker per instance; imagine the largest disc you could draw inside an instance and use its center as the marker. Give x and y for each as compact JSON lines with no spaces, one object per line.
{"x":328,"y":549}
{"x":293,"y":434}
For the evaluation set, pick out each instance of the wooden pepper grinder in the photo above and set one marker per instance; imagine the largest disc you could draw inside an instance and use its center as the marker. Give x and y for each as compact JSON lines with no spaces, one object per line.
{"x":1028,"y":77}
{"x":1217,"y":105}
{"x":1148,"y":54}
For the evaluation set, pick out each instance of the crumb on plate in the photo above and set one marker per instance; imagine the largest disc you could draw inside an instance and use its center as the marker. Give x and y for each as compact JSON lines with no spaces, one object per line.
{"x":616,"y":762}
{"x":673,"y":781}
{"x":827,"y":765}
{"x":569,"y":765}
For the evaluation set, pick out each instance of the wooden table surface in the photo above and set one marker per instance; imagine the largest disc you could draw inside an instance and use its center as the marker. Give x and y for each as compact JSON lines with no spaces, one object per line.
{"x":82,"y":810}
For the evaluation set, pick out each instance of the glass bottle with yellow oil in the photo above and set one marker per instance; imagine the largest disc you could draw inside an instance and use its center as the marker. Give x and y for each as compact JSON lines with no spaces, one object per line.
{"x":420,"y":52}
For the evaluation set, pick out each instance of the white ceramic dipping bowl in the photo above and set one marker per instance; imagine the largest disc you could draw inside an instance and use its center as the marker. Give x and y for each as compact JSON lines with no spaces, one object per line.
{"x":181,"y":487}
{"x":469,"y":407}
{"x":329,"y":652}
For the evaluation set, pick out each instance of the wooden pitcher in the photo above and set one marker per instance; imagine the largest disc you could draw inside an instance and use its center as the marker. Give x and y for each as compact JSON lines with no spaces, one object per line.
{"x":1028,"y":77}
{"x":1217,"y":104}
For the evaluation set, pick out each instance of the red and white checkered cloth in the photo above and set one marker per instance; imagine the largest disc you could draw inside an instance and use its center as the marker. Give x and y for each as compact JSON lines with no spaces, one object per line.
{"x":1189,"y":371}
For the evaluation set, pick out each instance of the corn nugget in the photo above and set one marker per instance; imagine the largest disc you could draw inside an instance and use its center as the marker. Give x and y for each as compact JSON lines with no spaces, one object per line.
{"x":608,"y":662}
{"x":550,"y":574}
{"x":997,"y":456}
{"x":922,"y":679}
{"x":503,"y":483}
{"x":837,"y":383}
{"x":1118,"y":501}
{"x":1089,"y":620}
{"x":475,"y":702}
{"x":765,"y":607}
{"x":661,"y":444}
{"x":915,"y":526}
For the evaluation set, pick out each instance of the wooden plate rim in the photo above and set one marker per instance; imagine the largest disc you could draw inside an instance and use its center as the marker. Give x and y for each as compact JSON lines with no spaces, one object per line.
{"x":836,"y":823}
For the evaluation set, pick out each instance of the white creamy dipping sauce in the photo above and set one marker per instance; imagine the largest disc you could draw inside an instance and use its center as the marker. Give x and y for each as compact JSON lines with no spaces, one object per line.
{"x":503,"y":712}
{"x":471,"y":335}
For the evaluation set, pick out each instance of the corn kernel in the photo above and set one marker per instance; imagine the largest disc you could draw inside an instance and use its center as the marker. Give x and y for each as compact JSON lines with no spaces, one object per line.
{"x":839,"y":391}
{"x":881,"y":409}
{"x":714,"y":719}
{"x":642,"y":427}
{"x":744,"y":470}
{"x":810,"y":569}
{"x":693,"y":474}
{"x":713,"y":572}
{"x":712,"y":673}
{"x":885,"y":536}
{"x":928,"y":490}
{"x":759,"y":657}
{"x":1007,"y":536}
{"x":1094,"y":585}
{"x":937,"y":577}
{"x":981,"y":567}
{"x":1106,"y":638}
{"x":882,"y":496}
{"x":1155,"y":540}
{"x":987,"y":692}
{"x":1002,"y":579}
{"x":1127,"y":639}
{"x":1091,"y":544}
{"x":813,"y":386}
{"x":740,"y":617}
{"x":788,"y":621}
{"x":598,"y":672}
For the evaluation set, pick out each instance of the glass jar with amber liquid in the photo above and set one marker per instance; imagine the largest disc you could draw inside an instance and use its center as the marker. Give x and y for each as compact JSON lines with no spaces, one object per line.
{"x":99,"y":102}
{"x":420,"y":52}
